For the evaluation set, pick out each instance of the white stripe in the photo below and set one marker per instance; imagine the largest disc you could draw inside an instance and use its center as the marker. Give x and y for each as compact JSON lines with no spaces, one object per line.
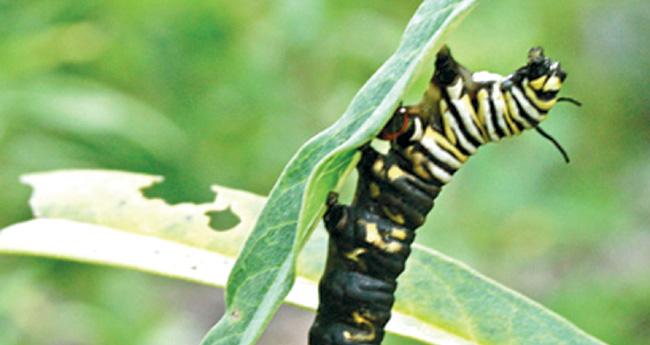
{"x":464,"y":109}
{"x":467,"y":115}
{"x":489,"y":82}
{"x":417,"y":133}
{"x":440,"y":153}
{"x":499,"y":107}
{"x":484,"y":106}
{"x":449,"y":118}
{"x":455,"y":90}
{"x":528,"y":108}
{"x":439,"y":173}
{"x":514,"y":110}
{"x":484,"y":77}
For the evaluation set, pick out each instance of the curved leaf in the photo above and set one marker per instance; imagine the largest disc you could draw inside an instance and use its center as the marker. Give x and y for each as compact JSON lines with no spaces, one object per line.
{"x":265,"y":270}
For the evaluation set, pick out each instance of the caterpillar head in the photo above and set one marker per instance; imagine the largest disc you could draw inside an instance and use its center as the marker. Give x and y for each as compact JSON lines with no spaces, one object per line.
{"x":543,"y":77}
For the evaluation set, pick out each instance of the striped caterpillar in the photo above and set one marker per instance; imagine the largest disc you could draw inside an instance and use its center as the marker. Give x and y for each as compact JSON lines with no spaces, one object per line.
{"x":370,"y":239}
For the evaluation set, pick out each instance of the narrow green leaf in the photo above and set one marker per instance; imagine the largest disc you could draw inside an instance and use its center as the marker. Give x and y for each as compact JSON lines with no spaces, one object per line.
{"x":104,"y":219}
{"x":265,"y":270}
{"x":98,"y":244}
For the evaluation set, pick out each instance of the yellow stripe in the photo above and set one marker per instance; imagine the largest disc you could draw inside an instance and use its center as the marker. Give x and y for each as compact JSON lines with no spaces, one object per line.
{"x":538,"y":83}
{"x":397,"y":218}
{"x":506,"y":114}
{"x":482,"y":96}
{"x":542,"y":105}
{"x":449,"y":134}
{"x":416,"y":159}
{"x":475,"y":119}
{"x":445,"y":144}
{"x":553,"y":84}
{"x":354,"y":256}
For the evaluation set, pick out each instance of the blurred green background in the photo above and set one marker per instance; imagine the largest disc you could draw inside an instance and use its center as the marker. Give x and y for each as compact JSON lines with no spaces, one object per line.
{"x":223,"y":92}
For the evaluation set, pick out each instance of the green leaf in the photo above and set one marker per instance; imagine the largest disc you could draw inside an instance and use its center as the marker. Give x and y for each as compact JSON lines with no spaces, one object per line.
{"x":265,"y":270}
{"x":101,"y":217}
{"x":442,"y":301}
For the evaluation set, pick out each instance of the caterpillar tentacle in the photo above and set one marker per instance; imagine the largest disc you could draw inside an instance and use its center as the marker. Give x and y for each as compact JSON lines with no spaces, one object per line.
{"x":370,"y":239}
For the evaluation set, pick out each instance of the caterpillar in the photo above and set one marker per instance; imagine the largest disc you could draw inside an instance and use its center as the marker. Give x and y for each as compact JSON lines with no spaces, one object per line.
{"x":370,"y":238}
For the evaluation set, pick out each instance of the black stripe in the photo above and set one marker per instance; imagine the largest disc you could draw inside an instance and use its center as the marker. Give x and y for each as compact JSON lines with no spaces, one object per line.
{"x":436,"y":161}
{"x":406,"y":165}
{"x":523,"y":114}
{"x":493,"y":114}
{"x":537,"y":94}
{"x":507,"y":104}
{"x":545,"y":95}
{"x":461,"y":124}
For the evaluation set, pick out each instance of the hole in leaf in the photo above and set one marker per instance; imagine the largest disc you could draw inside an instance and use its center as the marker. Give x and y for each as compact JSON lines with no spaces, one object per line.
{"x":235,"y":314}
{"x":222,"y":220}
{"x":175,"y":190}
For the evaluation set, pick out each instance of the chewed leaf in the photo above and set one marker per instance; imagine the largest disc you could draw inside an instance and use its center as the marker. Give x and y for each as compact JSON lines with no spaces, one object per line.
{"x":114,"y":199}
{"x":264,"y":272}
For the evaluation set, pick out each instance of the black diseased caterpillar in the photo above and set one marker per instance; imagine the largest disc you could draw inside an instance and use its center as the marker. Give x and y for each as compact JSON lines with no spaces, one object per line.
{"x":370,"y":239}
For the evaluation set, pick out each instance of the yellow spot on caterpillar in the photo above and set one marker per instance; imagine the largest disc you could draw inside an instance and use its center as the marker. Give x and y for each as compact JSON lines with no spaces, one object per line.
{"x":361,"y":337}
{"x":375,"y":191}
{"x":399,"y":234}
{"x":393,"y":247}
{"x":372,"y":235}
{"x":444,"y":143}
{"x":354,"y":256}
{"x":538,"y":83}
{"x":394,"y":172}
{"x":378,"y":166}
{"x":397,"y":218}
{"x":553,"y":84}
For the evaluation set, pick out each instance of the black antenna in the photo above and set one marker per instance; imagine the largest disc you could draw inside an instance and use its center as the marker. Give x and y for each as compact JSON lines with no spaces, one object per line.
{"x":570,"y":100}
{"x":559,"y":147}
